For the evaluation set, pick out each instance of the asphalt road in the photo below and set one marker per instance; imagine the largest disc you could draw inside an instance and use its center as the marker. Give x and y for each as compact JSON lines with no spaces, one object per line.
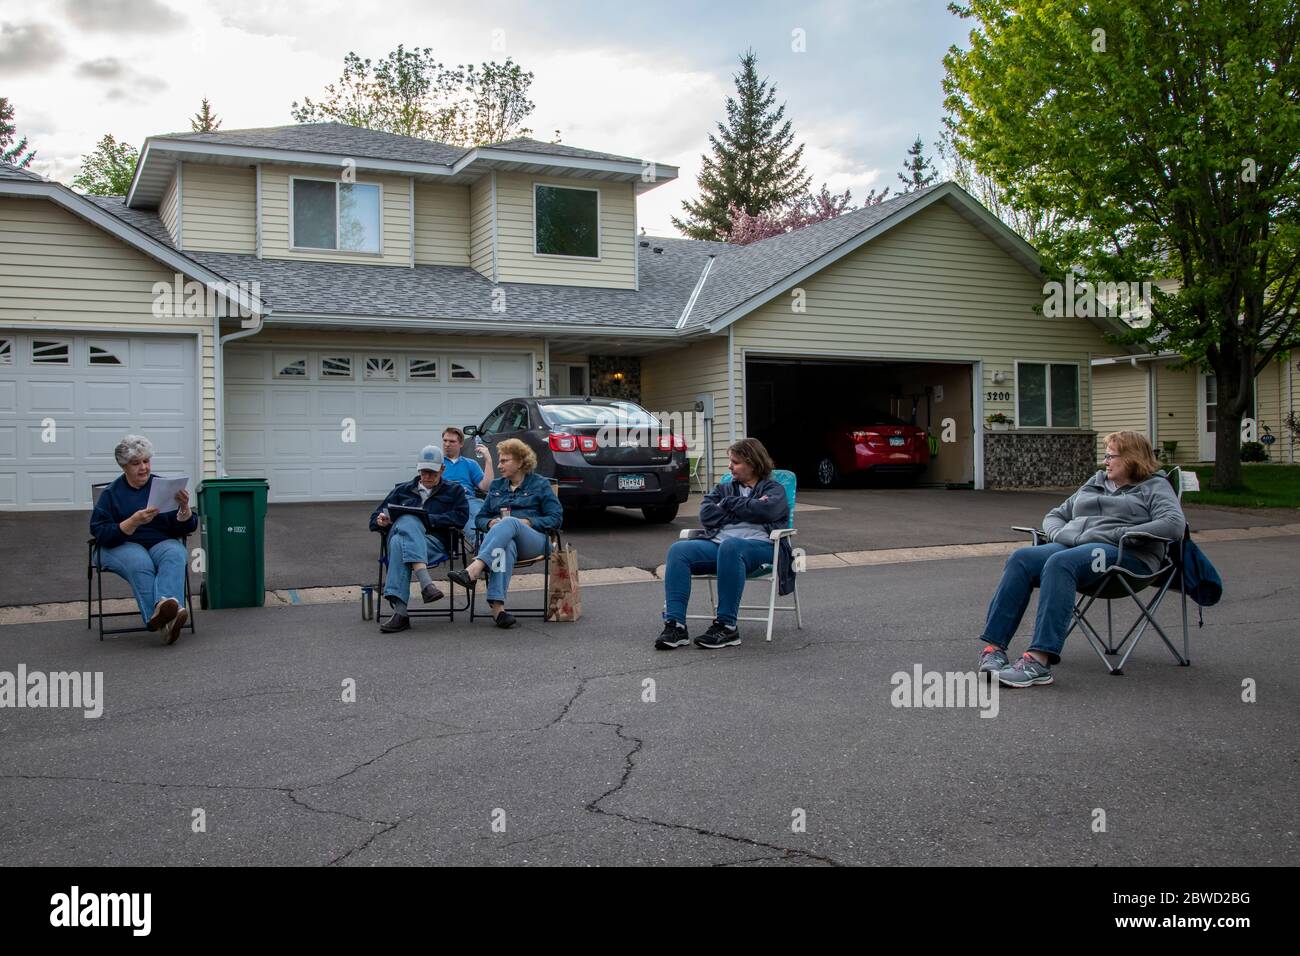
{"x":545,"y":729}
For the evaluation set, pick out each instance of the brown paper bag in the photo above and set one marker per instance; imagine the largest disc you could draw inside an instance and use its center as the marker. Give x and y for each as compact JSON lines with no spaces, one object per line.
{"x":564,"y":596}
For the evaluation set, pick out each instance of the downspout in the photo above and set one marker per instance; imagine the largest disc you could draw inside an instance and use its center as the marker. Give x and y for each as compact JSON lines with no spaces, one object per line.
{"x":1290,"y":402}
{"x":219,"y":389}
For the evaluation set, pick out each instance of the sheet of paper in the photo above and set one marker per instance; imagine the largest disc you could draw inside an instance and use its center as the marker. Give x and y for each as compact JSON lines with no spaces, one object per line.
{"x":162,"y":493}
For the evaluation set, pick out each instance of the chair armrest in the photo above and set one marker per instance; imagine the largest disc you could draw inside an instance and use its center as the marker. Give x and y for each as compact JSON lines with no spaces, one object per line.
{"x":1140,"y":536}
{"x":779,"y":533}
{"x":1035,"y":533}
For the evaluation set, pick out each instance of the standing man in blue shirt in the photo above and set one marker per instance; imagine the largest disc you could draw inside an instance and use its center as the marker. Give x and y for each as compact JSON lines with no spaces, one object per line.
{"x":466,"y":473}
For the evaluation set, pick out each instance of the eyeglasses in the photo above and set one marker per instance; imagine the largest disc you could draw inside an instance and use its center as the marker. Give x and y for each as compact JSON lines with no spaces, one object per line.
{"x":1108,"y":457}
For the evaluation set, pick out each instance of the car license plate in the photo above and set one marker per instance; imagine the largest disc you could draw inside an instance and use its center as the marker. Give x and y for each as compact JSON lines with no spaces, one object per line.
{"x":896,"y":441}
{"x":631,"y":482}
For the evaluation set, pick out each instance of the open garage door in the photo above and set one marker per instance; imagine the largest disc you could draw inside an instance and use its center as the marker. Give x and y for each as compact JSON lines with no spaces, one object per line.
{"x":868,"y":418}
{"x":345,"y":423}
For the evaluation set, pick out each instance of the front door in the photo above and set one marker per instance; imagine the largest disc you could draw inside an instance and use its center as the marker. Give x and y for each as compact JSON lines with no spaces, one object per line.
{"x":1207,"y":408}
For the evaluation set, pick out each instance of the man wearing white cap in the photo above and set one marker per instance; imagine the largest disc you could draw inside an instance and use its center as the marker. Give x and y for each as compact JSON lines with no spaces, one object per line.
{"x":411,"y":546}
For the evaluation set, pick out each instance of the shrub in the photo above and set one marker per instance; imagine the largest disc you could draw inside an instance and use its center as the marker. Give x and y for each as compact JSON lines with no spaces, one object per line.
{"x":1253,"y":451}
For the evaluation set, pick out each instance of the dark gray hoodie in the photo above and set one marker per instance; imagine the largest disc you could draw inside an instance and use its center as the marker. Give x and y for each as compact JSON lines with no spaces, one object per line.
{"x":1094,"y":514}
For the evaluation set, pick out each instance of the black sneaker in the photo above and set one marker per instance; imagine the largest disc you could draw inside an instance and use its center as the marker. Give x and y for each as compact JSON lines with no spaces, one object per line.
{"x":398,"y":622}
{"x":718,"y":635}
{"x":674,"y":635}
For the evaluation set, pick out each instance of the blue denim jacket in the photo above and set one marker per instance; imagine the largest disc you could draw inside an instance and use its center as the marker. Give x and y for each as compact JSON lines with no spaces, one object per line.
{"x":533,"y":499}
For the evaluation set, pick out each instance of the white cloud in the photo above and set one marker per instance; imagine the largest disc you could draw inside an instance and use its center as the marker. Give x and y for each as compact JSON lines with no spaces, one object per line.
{"x":28,"y":47}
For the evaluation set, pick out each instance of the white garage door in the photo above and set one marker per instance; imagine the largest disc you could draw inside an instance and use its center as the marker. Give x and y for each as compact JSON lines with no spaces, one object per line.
{"x":67,"y":399}
{"x":348,"y":424}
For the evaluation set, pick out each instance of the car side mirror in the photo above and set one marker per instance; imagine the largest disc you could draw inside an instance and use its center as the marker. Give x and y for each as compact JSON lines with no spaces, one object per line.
{"x":470,"y":431}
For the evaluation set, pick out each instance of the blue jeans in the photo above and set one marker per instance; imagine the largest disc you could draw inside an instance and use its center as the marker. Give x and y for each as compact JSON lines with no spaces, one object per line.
{"x":153,"y":573}
{"x":1059,"y":572}
{"x":731,"y":561}
{"x":408,"y":544}
{"x":471,"y":534}
{"x":505,"y":543}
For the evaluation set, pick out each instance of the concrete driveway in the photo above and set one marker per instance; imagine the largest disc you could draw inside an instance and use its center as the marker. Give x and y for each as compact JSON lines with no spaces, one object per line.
{"x":551,"y":732}
{"x":328,"y":544}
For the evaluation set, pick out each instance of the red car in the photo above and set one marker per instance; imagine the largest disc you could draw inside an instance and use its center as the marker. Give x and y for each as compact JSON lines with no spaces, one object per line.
{"x":875,"y":443}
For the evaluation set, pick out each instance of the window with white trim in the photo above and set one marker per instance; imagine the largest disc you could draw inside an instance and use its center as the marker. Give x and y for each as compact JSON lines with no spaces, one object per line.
{"x":6,"y":351}
{"x":107,"y":353}
{"x":1047,"y":395}
{"x":334,"y":215}
{"x":464,"y":370}
{"x":336,"y":366}
{"x":291,"y":366}
{"x":423,"y":369}
{"x":380,"y":368}
{"x":51,"y":352}
{"x":566,"y":221}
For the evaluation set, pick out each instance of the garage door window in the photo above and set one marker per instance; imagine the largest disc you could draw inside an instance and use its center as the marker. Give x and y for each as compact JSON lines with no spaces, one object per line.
{"x":48,"y":352}
{"x":6,"y":351}
{"x":422,"y":369}
{"x":336,"y":366}
{"x":1047,"y":396}
{"x":107,"y":354}
{"x":291,"y":366}
{"x":464,"y":370}
{"x":380,"y":369}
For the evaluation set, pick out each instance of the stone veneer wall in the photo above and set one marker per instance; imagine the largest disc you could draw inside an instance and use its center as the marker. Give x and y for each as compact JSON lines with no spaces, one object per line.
{"x":1019,"y":459}
{"x":603,"y":384}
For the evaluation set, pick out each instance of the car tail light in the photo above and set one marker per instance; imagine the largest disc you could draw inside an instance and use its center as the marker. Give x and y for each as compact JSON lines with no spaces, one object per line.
{"x":586,"y":443}
{"x":560,"y":442}
{"x":861,"y":436}
{"x":672,"y":443}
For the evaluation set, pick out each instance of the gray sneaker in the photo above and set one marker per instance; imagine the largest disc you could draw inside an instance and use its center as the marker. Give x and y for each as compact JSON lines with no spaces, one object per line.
{"x":993,"y":659}
{"x":1025,"y":672}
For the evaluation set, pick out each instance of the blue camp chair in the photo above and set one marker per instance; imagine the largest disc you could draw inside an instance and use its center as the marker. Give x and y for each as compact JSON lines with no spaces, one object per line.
{"x":788,"y":482}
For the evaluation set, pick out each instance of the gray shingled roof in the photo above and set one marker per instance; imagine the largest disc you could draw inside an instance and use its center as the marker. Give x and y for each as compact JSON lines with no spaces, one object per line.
{"x":745,"y":271}
{"x":337,"y":138}
{"x":10,"y":171}
{"x":667,"y":278}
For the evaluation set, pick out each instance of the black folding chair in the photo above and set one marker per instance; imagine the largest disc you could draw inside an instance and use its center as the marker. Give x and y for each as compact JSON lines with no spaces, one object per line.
{"x":1118,"y":583}
{"x":95,"y":572}
{"x":457,"y":549}
{"x":555,"y":543}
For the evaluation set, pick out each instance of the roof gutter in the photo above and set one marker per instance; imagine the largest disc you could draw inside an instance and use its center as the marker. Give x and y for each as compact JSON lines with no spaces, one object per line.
{"x":695,"y":293}
{"x":473,"y":326}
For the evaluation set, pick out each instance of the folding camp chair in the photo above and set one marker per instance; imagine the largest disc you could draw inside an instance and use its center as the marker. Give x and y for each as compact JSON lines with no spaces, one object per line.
{"x":698,"y":476}
{"x":787,"y":480}
{"x":1118,"y":582}
{"x":95,"y":572}
{"x":555,"y":543}
{"x":456,"y":541}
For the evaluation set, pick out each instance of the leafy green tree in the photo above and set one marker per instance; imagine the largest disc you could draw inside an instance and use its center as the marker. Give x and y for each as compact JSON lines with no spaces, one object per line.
{"x":1028,"y":223}
{"x":1165,"y":139}
{"x":205,"y":120}
{"x":918,"y":170}
{"x":11,"y":152}
{"x":107,"y":171}
{"x":754,"y":167}
{"x":410,"y":92}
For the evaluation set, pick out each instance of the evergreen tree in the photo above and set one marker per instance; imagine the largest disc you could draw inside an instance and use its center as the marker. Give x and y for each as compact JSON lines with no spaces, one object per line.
{"x":755,"y":166}
{"x":918,"y":171}
{"x":205,"y":121}
{"x":11,"y":152}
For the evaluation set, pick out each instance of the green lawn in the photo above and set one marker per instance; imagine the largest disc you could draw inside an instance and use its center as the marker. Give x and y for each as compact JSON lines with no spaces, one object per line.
{"x":1267,"y":486}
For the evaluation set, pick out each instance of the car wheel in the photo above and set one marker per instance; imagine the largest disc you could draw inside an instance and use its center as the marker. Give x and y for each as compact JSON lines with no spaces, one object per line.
{"x":828,"y":474}
{"x":660,"y":514}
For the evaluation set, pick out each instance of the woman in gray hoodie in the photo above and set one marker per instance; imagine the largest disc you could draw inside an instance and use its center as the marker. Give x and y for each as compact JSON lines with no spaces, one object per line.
{"x":1129,"y":494}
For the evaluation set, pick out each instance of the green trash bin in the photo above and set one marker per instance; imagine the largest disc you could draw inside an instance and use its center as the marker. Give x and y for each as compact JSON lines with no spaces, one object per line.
{"x":233,"y":512}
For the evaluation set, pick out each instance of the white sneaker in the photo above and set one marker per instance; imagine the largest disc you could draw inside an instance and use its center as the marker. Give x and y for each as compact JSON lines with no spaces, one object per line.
{"x":163,"y":612}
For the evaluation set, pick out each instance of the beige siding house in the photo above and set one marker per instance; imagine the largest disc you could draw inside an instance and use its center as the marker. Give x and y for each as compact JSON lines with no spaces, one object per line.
{"x":310,"y":303}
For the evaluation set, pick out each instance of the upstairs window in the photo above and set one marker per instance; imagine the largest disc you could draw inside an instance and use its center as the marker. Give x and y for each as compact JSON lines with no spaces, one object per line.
{"x":341,"y":216}
{"x":567,"y":221}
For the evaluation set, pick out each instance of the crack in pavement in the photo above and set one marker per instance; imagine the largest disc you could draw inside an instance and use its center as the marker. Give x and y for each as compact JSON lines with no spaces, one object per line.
{"x":628,"y":765}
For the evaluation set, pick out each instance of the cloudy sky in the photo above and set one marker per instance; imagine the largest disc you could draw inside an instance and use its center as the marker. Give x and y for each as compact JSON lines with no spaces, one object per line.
{"x":643,"y":79}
